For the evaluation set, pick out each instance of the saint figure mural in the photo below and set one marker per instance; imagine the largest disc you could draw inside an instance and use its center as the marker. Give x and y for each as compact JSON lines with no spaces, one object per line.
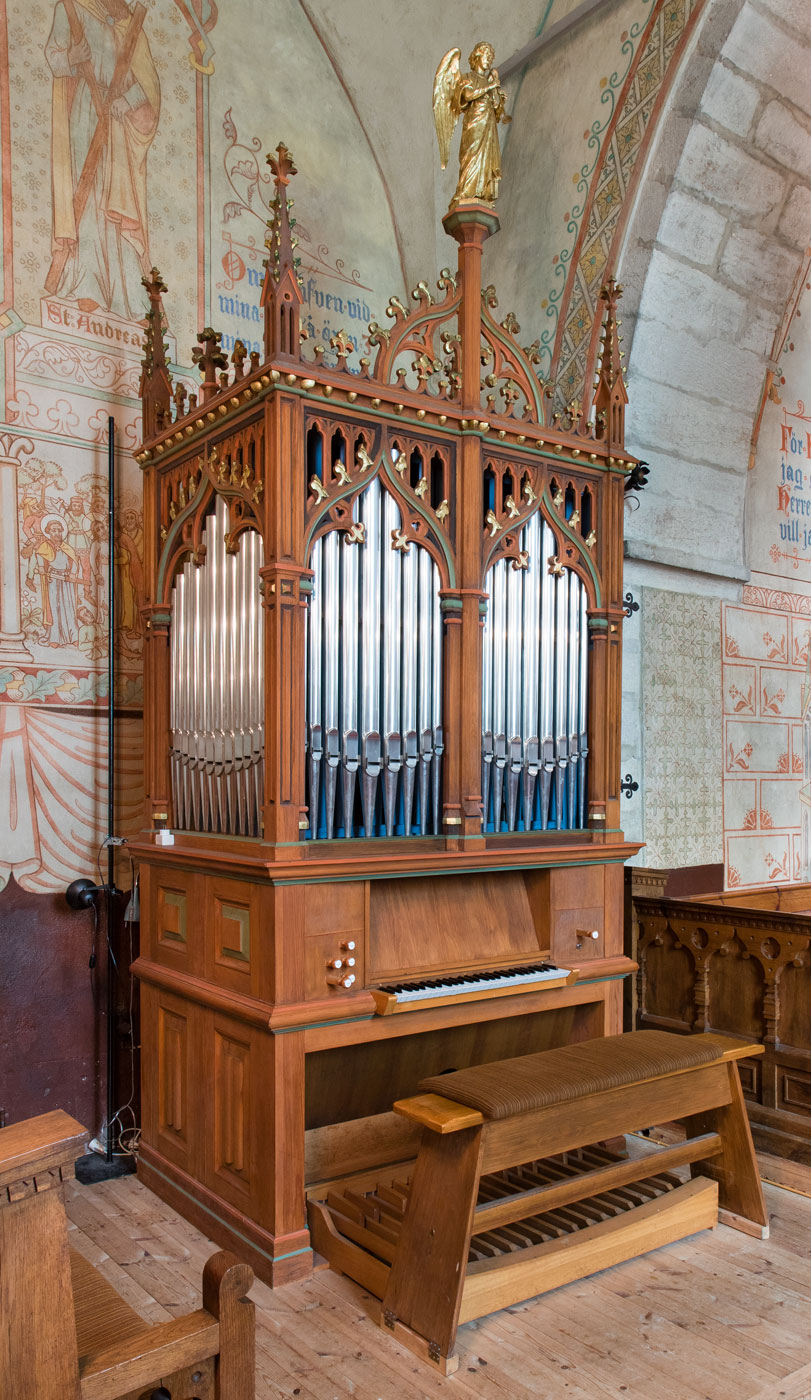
{"x":478,"y":98}
{"x":106,"y":104}
{"x":54,"y":565}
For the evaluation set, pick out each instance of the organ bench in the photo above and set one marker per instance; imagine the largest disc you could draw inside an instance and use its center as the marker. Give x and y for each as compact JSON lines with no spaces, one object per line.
{"x":509,"y":1195}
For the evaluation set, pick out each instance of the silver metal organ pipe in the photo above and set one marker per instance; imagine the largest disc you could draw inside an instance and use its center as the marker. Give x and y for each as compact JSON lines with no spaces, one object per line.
{"x":573,"y":696}
{"x":255,"y":556}
{"x":370,"y":506}
{"x":217,"y":686}
{"x":436,"y":701}
{"x":315,"y":740}
{"x":408,"y":712}
{"x":487,"y":708}
{"x":583,"y":708}
{"x":515,"y":748}
{"x":392,"y":658}
{"x":547,"y":672}
{"x":531,"y":658}
{"x":374,"y":649}
{"x":561,"y":696}
{"x":200,"y":697}
{"x":350,"y":610}
{"x":176,"y":705}
{"x":331,"y":615}
{"x":425,"y":717}
{"x":498,"y":602}
{"x":534,"y":689}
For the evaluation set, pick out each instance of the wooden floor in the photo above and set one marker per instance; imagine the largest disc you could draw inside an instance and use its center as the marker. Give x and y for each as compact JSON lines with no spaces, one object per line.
{"x":717,"y":1317}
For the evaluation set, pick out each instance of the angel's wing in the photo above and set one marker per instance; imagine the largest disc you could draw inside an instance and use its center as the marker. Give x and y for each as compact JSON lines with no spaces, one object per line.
{"x":446,"y":105}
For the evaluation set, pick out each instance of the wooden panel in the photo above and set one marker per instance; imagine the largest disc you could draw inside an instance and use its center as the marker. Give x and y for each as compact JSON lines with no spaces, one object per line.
{"x":794,"y":1089}
{"x":614,"y":901}
{"x":751,"y":1073}
{"x":356,"y":1081}
{"x":572,"y":930}
{"x":669,"y":982}
{"x":239,"y":935}
{"x":38,"y":1358}
{"x":232,"y":1107}
{"x":794,"y":1020}
{"x":603,"y":1115}
{"x":173,"y":1075}
{"x":333,"y":908}
{"x":575,"y":886}
{"x":736,"y":983}
{"x":172,"y":923}
{"x":423,"y":924}
{"x":323,"y":949}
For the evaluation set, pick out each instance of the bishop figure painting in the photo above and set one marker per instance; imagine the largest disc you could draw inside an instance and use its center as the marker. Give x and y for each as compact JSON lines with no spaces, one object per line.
{"x":105,"y":110}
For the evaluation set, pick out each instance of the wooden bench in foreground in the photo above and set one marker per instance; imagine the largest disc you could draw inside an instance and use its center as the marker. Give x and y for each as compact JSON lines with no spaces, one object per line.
{"x":511,"y":1194}
{"x":65,"y":1334}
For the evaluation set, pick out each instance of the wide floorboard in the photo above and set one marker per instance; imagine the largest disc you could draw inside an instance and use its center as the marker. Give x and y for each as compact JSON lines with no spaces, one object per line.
{"x":720,"y":1316}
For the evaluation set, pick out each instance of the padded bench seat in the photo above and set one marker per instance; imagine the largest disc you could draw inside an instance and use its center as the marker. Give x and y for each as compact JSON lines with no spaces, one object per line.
{"x":507,"y":1087}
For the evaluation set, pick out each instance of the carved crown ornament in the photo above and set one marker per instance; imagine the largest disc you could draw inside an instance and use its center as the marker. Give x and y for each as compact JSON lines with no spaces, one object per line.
{"x":416,"y":376}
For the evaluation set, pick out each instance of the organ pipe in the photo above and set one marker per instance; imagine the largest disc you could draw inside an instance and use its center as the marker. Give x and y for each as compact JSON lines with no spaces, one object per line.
{"x":374,"y":667}
{"x":217,"y":686}
{"x":534,"y":691}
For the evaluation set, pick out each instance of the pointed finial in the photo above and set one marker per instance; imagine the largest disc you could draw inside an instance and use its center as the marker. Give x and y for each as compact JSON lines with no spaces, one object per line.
{"x":156,"y":385}
{"x":612,"y":395}
{"x":281,"y":292}
{"x":209,"y":358}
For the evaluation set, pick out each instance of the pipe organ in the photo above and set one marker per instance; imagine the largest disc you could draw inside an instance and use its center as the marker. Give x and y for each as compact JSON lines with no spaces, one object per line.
{"x":382,"y":690}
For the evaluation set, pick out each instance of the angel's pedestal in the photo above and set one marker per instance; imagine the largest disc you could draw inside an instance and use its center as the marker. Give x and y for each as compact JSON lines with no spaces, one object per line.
{"x":470,"y":223}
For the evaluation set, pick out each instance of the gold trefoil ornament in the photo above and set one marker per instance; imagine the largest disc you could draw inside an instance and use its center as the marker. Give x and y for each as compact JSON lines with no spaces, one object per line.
{"x":478,"y":98}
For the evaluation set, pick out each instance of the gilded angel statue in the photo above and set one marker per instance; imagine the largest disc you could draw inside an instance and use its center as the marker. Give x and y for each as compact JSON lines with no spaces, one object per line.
{"x":478,"y":98}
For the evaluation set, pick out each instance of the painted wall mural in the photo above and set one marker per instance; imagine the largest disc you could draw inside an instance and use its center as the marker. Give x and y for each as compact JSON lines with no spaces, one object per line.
{"x":766,"y":667}
{"x":134,"y":132}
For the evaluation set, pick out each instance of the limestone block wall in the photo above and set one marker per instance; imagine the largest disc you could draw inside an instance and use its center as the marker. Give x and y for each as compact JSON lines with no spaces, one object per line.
{"x":716,"y":268}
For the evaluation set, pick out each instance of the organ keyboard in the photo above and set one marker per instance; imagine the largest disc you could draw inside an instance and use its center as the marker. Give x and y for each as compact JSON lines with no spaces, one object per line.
{"x":468,"y":986}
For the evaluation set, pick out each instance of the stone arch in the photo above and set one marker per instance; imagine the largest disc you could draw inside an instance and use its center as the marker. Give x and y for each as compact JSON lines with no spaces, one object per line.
{"x":710,"y":258}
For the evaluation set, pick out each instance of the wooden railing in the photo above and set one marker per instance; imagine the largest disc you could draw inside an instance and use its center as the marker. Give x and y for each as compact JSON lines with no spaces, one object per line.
{"x":739,"y":963}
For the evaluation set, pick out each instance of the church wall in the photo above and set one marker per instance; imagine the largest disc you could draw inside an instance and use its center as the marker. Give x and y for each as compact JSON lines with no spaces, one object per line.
{"x":181,"y":182}
{"x":711,"y":275}
{"x":766,"y":653}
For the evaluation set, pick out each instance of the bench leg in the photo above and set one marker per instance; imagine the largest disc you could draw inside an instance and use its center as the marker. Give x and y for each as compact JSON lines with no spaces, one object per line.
{"x":225,"y":1284}
{"x":735,"y":1168}
{"x":424,"y":1289}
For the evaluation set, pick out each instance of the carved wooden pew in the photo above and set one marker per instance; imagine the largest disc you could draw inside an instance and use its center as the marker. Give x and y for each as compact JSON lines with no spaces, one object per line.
{"x":509,"y":1195}
{"x":65,"y":1334}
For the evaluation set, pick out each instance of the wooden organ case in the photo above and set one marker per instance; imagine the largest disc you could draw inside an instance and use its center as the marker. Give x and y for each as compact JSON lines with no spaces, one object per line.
{"x":382,"y":707}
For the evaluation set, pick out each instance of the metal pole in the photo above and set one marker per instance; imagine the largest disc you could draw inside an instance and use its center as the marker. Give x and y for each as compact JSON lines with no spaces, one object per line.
{"x":111,"y":657}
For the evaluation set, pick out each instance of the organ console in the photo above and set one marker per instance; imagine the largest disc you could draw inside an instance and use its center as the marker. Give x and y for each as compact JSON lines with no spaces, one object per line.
{"x":382,"y":701}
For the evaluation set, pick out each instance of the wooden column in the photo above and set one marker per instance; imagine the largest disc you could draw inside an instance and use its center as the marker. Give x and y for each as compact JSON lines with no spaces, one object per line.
{"x":470,"y":224}
{"x":282,"y":1148}
{"x":157,"y":775}
{"x":285,"y":614}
